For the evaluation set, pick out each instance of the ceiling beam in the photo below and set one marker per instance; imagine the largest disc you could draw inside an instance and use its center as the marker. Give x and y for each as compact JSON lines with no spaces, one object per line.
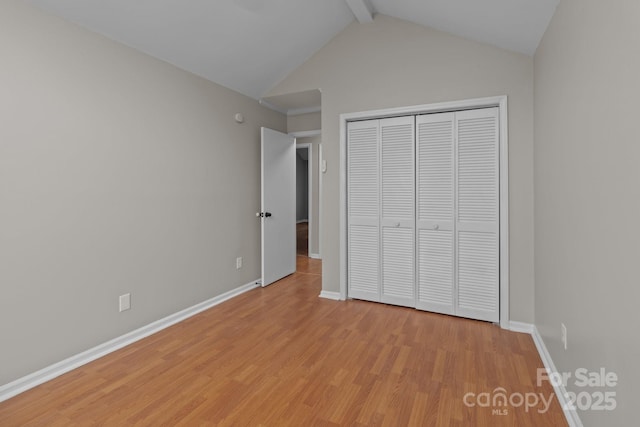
{"x":362,"y":10}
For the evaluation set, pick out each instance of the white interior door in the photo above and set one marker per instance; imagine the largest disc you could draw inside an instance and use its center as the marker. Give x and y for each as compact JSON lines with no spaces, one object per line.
{"x":381,"y":210}
{"x":364,"y":210}
{"x":477,"y":214}
{"x":435,"y":138}
{"x":397,"y":210}
{"x":458,"y":213}
{"x":278,"y":215}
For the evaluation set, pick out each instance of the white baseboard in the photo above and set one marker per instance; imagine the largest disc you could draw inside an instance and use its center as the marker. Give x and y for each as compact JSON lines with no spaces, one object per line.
{"x":526,"y":328}
{"x":571,"y":415}
{"x":27,"y":382}
{"x":315,"y":256}
{"x":330,"y":295}
{"x":560,"y":391}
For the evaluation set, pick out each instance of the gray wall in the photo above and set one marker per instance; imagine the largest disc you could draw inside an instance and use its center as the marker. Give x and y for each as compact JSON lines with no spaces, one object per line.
{"x":393,"y":63}
{"x":118,"y":173}
{"x":302,"y":188}
{"x":304,"y":122}
{"x":587,"y":182}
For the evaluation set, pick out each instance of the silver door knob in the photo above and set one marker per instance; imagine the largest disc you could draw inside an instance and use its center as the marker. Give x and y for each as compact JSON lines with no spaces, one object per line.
{"x":436,"y":227}
{"x":397,"y":224}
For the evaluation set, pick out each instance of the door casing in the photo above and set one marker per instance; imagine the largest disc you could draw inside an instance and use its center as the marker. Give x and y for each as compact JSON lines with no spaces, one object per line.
{"x":498,"y":101}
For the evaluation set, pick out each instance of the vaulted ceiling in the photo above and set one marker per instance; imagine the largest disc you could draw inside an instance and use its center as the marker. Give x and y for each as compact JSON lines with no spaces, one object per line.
{"x":250,"y":45}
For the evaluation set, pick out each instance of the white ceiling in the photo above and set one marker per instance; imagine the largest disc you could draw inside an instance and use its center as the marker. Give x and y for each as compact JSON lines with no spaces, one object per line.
{"x":250,"y":45}
{"x":516,"y":25}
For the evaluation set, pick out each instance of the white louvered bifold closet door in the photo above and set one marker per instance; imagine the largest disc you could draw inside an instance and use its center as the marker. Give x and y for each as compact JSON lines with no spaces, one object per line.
{"x":363,"y":204}
{"x":435,"y":212}
{"x":397,"y":210}
{"x":477,"y":218}
{"x":423,"y":212}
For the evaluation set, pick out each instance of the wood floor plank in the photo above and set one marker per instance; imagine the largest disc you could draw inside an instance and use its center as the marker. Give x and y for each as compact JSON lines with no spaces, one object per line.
{"x":281,"y":356}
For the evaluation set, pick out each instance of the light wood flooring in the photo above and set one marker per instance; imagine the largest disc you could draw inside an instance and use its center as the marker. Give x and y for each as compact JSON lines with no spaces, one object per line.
{"x":281,"y":356}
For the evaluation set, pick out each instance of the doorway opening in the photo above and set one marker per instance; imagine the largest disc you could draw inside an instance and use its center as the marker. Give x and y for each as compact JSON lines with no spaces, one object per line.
{"x":304,"y":199}
{"x":500,"y":103}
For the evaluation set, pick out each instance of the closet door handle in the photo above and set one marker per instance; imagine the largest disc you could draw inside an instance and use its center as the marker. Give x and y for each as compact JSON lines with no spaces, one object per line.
{"x":397,"y":224}
{"x":436,"y":227}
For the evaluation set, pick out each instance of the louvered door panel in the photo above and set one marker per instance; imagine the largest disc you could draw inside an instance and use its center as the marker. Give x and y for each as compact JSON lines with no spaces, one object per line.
{"x":397,"y":166}
{"x":435,"y":167}
{"x":397,"y":266}
{"x":363,"y":206}
{"x":477,"y":225}
{"x":363,"y":262}
{"x":435,"y":271}
{"x":435,"y":208}
{"x":363,"y":169}
{"x":477,"y":167}
{"x":477,"y":274}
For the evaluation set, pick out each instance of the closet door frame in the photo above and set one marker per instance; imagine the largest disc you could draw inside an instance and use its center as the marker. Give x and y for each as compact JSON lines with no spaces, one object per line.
{"x":498,"y":101}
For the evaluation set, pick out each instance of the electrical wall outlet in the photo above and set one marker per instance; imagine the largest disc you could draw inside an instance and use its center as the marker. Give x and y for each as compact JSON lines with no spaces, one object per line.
{"x":563,"y":335}
{"x":125,"y":302}
{"x":238,"y":263}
